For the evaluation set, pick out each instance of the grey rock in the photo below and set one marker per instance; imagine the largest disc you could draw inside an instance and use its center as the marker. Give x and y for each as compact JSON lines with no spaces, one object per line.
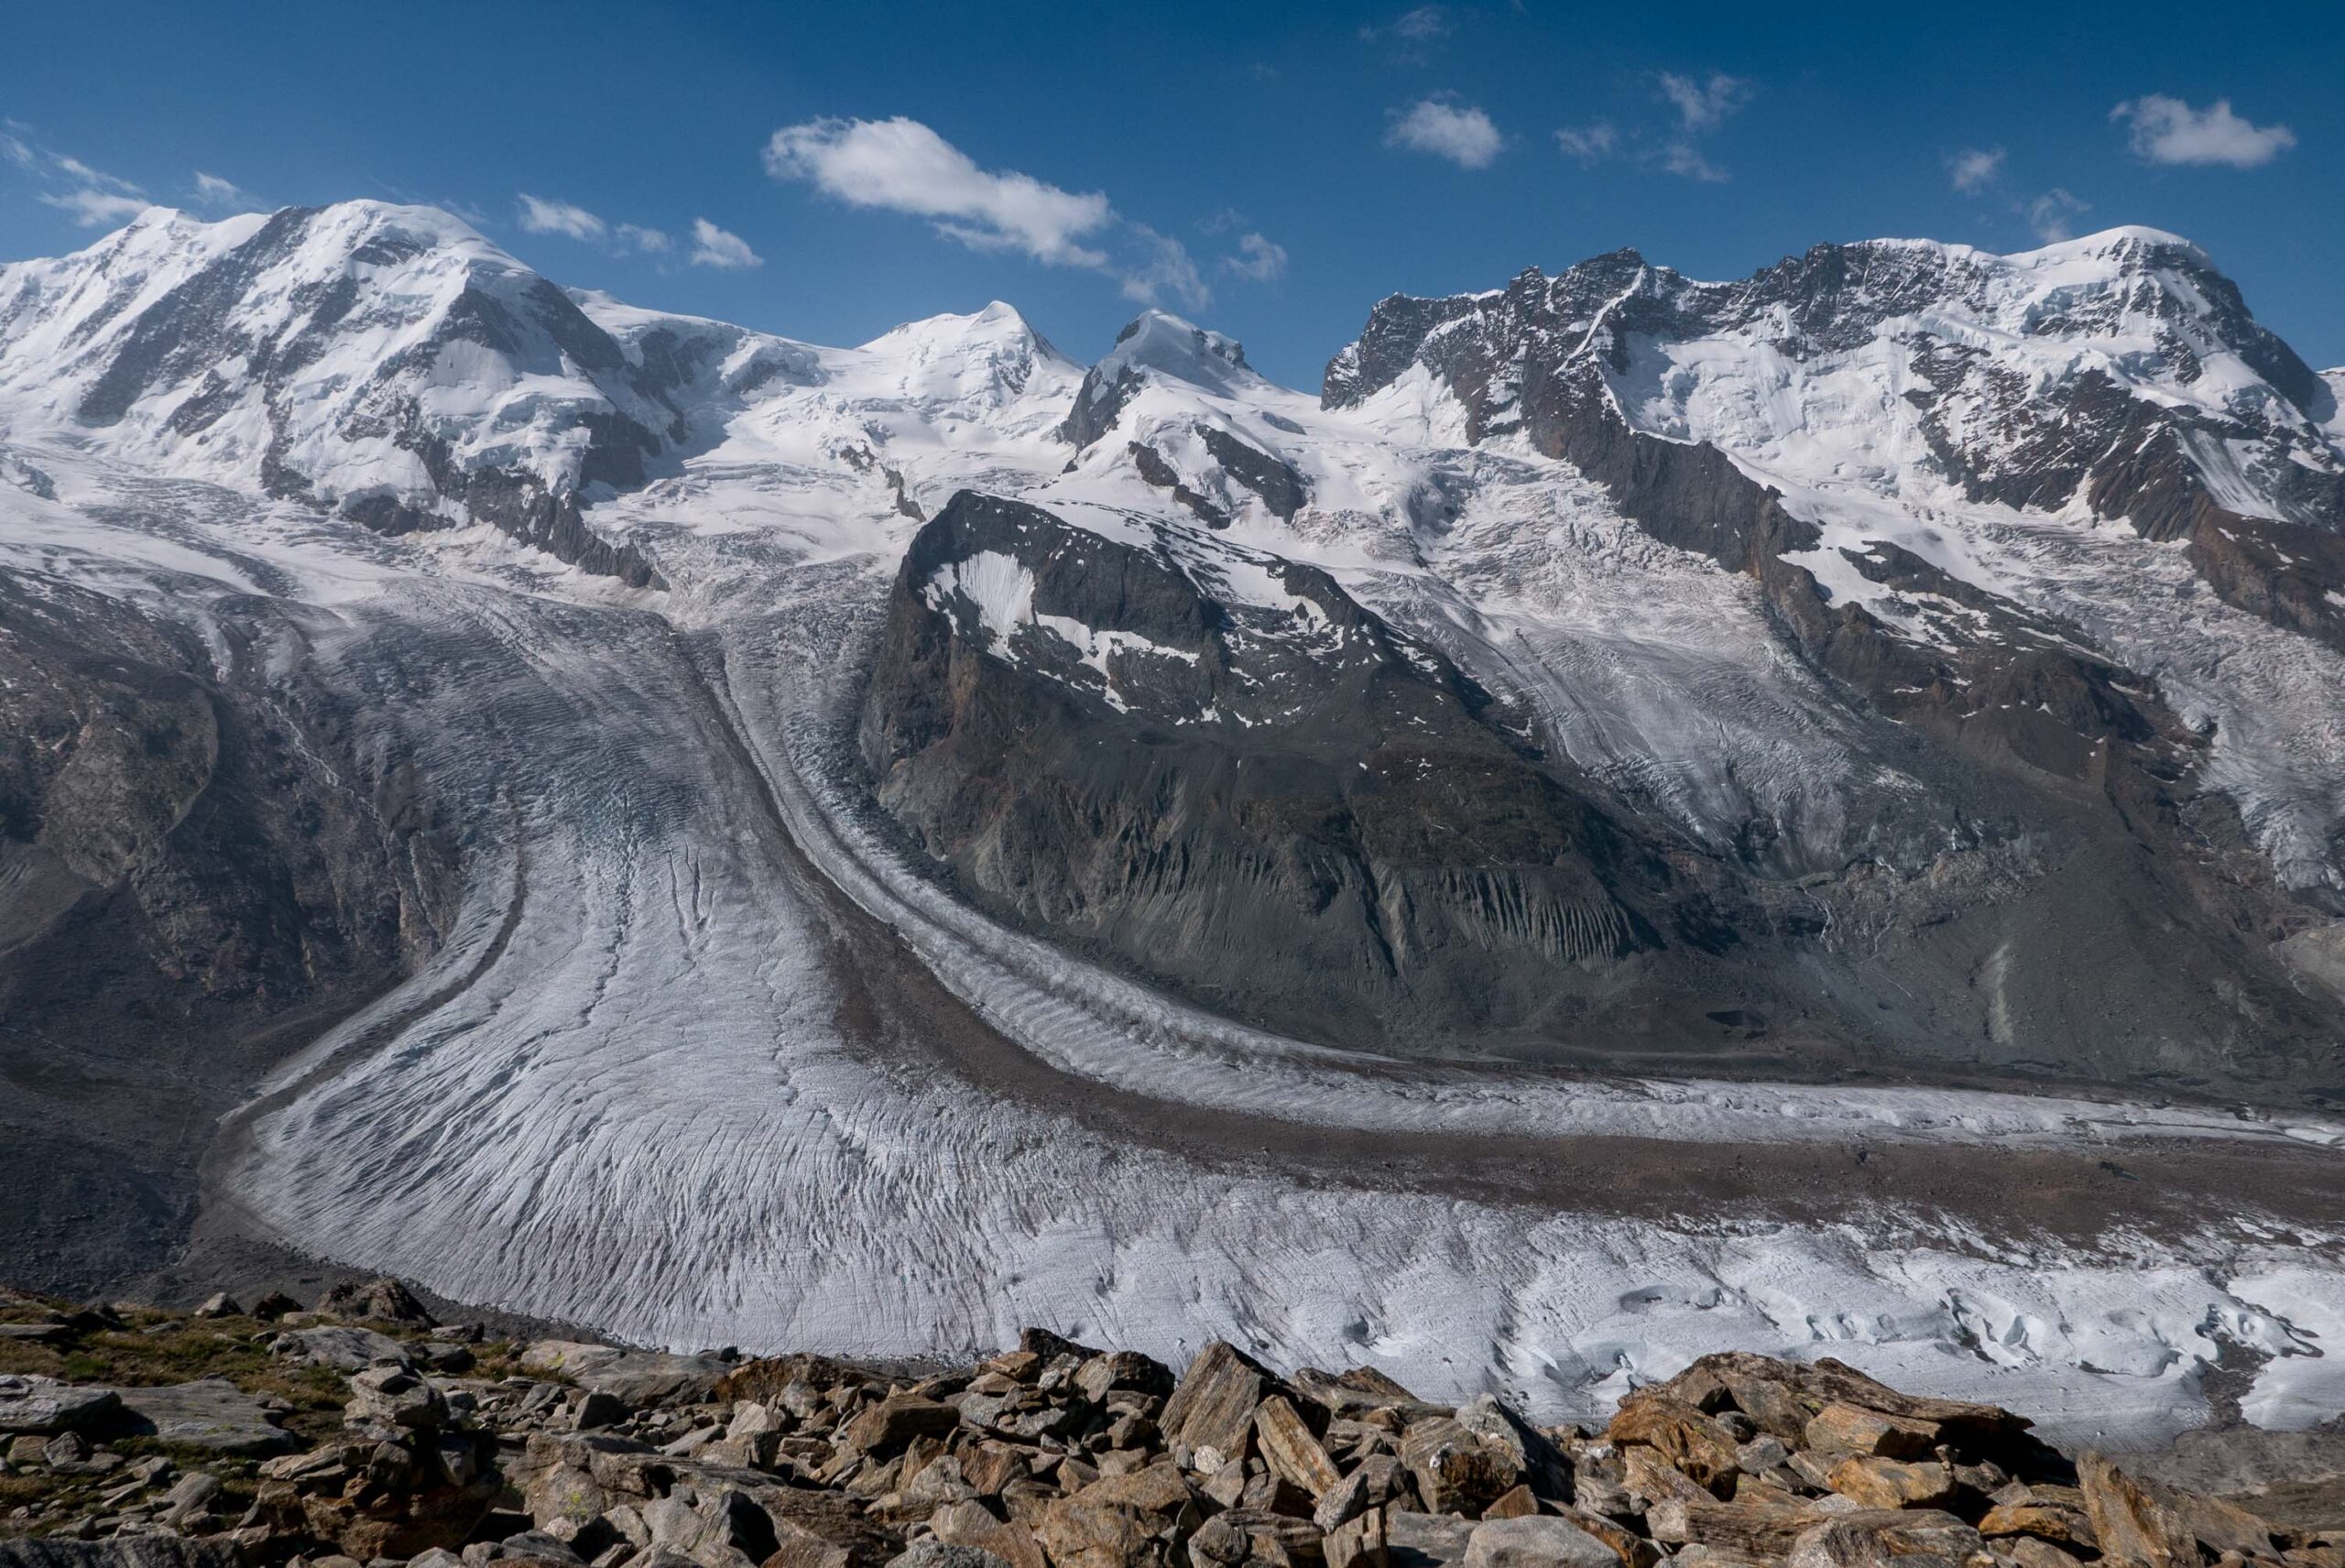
{"x":1423,"y":1541}
{"x":934,"y":1553}
{"x":32,"y":1404}
{"x":343,"y":1348}
{"x":122,"y":1552}
{"x":1536,"y":1541}
{"x":211,"y":1413}
{"x":641,"y":1377}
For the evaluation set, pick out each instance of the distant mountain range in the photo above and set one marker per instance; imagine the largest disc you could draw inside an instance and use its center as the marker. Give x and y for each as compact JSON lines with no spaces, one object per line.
{"x":1906,"y":662}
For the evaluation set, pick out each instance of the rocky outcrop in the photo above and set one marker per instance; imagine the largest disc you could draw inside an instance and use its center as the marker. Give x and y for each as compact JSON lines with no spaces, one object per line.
{"x":1056,"y":1455}
{"x":2014,"y":706}
{"x":192,"y":856}
{"x":1225,"y":772}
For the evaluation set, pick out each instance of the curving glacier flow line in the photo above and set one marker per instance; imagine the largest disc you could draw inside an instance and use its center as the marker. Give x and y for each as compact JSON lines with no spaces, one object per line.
{"x":1083,"y":1020}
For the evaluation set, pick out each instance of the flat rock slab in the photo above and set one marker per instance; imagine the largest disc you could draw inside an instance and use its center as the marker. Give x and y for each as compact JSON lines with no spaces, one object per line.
{"x":214,"y":1414}
{"x":344,"y":1349}
{"x":42,"y":1406}
{"x":123,"y":1551}
{"x":638,"y":1376}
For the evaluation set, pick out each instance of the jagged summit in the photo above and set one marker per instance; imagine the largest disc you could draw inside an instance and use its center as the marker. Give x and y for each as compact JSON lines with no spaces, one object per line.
{"x":1159,"y":345}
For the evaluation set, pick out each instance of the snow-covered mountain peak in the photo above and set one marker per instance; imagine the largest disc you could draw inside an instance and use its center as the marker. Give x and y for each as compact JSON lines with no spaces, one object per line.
{"x":383,"y":361}
{"x":1157,"y":347}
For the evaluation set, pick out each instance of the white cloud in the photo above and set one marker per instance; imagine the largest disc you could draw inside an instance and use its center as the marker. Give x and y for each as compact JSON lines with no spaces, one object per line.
{"x":2167,"y":130}
{"x":1258,"y":258}
{"x":1464,"y":136}
{"x":712,"y":247}
{"x":97,"y":179}
{"x":1164,"y":266}
{"x":210,"y":190}
{"x":92,"y":195}
{"x":1703,"y":105}
{"x":1685,"y":159}
{"x":1975,"y":169}
{"x":541,"y":216}
{"x":92,"y":209}
{"x":1426,"y":24}
{"x":902,"y":165}
{"x":2052,"y":215}
{"x":641,"y":238}
{"x":1588,"y":144}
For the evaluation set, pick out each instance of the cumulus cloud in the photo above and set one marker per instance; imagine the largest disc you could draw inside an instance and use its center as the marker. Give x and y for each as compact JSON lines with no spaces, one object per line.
{"x":901,"y":166}
{"x":2167,"y":130}
{"x":1259,"y":258}
{"x":1461,"y":132}
{"x":713,"y":247}
{"x":1588,"y":144}
{"x":541,"y":216}
{"x":1975,"y":169}
{"x":2054,"y":216}
{"x":1703,"y":105}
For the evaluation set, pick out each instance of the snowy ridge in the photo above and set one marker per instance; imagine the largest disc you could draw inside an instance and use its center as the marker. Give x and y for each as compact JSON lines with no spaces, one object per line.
{"x":643,"y":1099}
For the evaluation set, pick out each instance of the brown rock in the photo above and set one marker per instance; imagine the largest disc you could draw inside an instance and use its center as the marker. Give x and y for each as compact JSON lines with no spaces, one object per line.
{"x":887,"y":1426}
{"x":990,"y":1467}
{"x":1646,"y":1475}
{"x":1292,"y":1451}
{"x":1214,"y":1406}
{"x":1735,"y":1527}
{"x":1456,"y":1471}
{"x":970,"y":1524}
{"x":1853,"y":1429}
{"x":2131,"y":1525}
{"x":1357,"y":1542}
{"x":1870,"y":1538}
{"x":1520,"y":1503}
{"x":1740,"y":1377}
{"x":1125,"y":1369}
{"x":1085,"y":1533}
{"x":2063,"y":1527}
{"x":1375,"y":1481}
{"x":1694,"y":1443}
{"x":1891,"y":1483}
{"x":1272,"y":1493}
{"x":2029,"y":1552}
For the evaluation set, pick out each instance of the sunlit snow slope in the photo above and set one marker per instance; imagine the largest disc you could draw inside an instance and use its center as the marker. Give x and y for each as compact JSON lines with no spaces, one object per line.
{"x":703,"y":1049}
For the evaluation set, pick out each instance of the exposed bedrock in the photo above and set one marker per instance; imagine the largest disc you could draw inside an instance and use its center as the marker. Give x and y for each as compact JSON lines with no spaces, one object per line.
{"x":1284,"y":806}
{"x":199,"y":869}
{"x":1228,"y":775}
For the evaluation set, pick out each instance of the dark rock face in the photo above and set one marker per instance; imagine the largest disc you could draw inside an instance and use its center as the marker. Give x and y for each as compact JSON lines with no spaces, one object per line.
{"x":1537,"y":356}
{"x":1287,"y":806}
{"x":2010,"y":708}
{"x":197,"y":873}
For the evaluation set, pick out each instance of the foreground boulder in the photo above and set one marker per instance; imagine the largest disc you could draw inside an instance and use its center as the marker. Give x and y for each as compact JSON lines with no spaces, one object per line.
{"x":1057,"y":1454}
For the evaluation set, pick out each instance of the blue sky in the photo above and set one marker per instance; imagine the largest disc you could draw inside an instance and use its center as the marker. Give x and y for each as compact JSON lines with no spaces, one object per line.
{"x":1267,"y":169}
